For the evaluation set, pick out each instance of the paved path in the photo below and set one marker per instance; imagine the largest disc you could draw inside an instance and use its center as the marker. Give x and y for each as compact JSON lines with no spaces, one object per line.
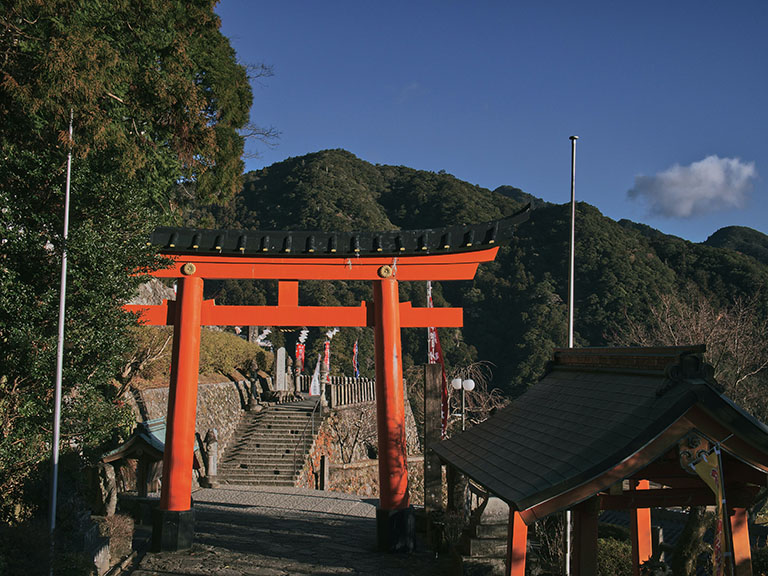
{"x":284,"y":531}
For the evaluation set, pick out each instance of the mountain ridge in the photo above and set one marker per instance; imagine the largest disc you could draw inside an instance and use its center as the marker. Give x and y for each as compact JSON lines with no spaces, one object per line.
{"x":515,"y":312}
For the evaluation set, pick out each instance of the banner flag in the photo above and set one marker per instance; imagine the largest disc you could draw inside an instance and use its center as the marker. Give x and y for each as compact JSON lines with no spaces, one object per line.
{"x":435,"y":356}
{"x":710,"y":471}
{"x":355,"y":367}
{"x":314,"y":386}
{"x":300,"y":351}
{"x":327,"y":360}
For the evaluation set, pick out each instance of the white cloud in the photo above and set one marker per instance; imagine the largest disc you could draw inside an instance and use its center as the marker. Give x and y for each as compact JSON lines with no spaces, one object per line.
{"x":706,"y":186}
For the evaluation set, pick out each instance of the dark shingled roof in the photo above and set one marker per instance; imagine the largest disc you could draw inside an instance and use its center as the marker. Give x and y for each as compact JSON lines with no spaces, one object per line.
{"x":594,"y":409}
{"x":290,"y":243}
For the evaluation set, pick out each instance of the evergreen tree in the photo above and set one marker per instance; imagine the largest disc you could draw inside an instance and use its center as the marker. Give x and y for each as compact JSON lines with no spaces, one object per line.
{"x":157,"y":99}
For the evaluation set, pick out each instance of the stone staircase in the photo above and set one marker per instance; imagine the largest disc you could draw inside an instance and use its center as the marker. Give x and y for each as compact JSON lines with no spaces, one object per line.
{"x":483,"y":544}
{"x":271,"y":446}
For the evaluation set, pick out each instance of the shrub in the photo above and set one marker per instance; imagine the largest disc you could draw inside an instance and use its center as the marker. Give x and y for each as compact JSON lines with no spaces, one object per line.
{"x":614,"y":558}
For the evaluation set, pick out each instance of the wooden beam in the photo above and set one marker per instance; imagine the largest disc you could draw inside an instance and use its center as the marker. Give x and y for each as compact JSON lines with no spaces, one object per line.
{"x":738,"y":494}
{"x":287,"y":294}
{"x":452,"y":266}
{"x":286,"y":314}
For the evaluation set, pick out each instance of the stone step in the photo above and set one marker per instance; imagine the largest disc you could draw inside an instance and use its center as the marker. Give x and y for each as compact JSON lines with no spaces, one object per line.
{"x":483,"y":566}
{"x":261,"y":455}
{"x":264,"y":463}
{"x":263,"y":471}
{"x":258,"y":482}
{"x":490,"y":531}
{"x":262,"y":477}
{"x":276,"y":442}
{"x":270,"y":447}
{"x":256,"y":453}
{"x":483,"y":547}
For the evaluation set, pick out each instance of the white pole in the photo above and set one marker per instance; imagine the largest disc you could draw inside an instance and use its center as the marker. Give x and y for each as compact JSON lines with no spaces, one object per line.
{"x":60,"y":352}
{"x":568,"y":535}
{"x":573,"y":240}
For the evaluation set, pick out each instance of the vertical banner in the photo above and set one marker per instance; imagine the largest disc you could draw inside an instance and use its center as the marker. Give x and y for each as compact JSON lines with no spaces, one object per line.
{"x":355,"y":366}
{"x":314,"y":386}
{"x":327,"y":359}
{"x":710,"y":471}
{"x":300,"y":351}
{"x":435,"y":356}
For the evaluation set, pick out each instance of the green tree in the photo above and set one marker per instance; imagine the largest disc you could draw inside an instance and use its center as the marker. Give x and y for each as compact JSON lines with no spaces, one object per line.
{"x":158,"y":100}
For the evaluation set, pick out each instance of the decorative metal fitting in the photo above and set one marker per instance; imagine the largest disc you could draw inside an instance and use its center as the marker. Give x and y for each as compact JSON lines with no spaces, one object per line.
{"x":385,"y":271}
{"x":188,"y":269}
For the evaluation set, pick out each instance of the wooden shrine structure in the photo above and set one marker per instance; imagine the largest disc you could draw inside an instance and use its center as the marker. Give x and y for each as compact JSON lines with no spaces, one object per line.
{"x":383,"y":258}
{"x":616,"y":428}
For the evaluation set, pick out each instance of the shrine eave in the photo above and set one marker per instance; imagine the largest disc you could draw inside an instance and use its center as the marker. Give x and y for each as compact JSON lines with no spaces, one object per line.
{"x":316,"y":244}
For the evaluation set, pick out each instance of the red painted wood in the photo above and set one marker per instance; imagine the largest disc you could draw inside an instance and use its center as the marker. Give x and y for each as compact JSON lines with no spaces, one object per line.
{"x":287,"y":294}
{"x":460,"y":266}
{"x":742,"y":555}
{"x":517,"y":545}
{"x":390,"y":409}
{"x":640,"y":532}
{"x":182,"y":399}
{"x":290,"y":315}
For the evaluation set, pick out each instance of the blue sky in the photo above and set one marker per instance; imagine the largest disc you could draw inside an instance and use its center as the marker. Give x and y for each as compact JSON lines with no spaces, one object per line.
{"x":669,"y":99}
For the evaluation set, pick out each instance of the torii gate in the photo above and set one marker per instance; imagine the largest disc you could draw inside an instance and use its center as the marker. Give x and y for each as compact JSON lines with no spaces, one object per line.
{"x":385,"y":258}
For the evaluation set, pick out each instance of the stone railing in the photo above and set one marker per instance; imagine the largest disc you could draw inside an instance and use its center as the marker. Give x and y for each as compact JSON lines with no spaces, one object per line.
{"x":343,"y":390}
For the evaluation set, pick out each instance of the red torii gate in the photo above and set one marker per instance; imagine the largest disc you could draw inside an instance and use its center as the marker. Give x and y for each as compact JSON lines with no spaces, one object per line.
{"x":384,"y":258}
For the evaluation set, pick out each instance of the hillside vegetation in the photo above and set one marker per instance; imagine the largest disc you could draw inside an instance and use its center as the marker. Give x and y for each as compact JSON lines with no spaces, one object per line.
{"x":515,"y":309}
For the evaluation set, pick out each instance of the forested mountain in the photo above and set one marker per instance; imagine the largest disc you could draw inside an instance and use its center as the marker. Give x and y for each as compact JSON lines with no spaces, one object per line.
{"x":741,"y":239}
{"x":515,"y":309}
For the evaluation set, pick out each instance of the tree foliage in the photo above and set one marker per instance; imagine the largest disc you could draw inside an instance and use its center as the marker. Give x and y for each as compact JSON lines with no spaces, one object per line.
{"x":157,"y":99}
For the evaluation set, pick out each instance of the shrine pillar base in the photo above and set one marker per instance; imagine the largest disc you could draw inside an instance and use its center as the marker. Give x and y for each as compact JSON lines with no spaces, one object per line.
{"x":172,"y":530}
{"x":173,"y":521}
{"x":394,"y":519}
{"x":395,"y":530}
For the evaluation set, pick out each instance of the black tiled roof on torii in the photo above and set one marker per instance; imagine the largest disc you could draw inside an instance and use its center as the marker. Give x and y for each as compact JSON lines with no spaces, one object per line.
{"x":594,"y":409}
{"x":319,"y":244}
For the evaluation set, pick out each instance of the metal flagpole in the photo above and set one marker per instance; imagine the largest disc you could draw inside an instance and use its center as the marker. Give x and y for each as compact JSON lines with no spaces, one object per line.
{"x":573,"y":240}
{"x":60,"y":353}
{"x":568,"y":535}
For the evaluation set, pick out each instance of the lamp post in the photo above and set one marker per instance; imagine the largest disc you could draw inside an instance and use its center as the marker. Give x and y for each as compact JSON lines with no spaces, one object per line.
{"x":465,"y":386}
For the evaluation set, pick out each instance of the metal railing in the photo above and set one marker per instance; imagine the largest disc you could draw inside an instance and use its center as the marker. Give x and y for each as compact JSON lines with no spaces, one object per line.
{"x":303,"y":436}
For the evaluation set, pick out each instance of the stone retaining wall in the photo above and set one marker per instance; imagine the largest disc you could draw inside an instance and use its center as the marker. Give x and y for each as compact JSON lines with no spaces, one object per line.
{"x":360,"y":476}
{"x":219,"y":406}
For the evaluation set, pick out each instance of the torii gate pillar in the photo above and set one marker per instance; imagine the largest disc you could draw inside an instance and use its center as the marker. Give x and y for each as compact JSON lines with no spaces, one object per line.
{"x":173,"y":522}
{"x":390,"y":414}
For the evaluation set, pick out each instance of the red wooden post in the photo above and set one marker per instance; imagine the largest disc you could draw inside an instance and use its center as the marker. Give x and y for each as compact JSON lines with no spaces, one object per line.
{"x":392,"y":524}
{"x":390,"y":408}
{"x":742,"y":556}
{"x":584,"y":558}
{"x":517,"y":545}
{"x":174,"y":521}
{"x":640,"y":532}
